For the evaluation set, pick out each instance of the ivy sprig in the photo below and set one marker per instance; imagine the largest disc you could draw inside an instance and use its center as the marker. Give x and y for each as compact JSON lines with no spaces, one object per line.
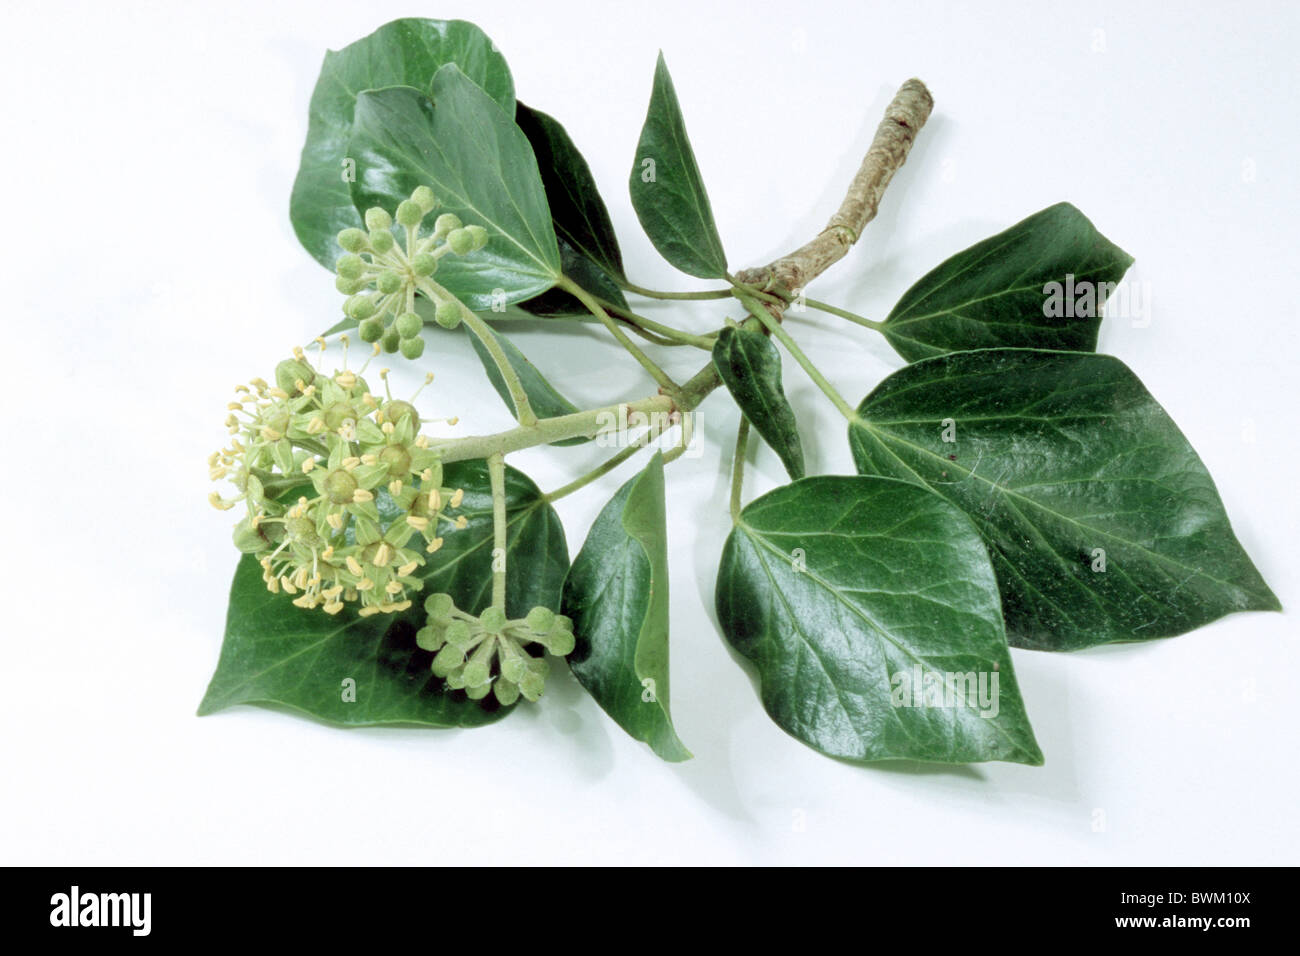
{"x":1012,"y":488}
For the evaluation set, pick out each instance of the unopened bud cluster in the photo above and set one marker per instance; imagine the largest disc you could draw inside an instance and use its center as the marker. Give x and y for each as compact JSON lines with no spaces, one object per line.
{"x":344,"y":497}
{"x":381,"y":276}
{"x":488,"y":654}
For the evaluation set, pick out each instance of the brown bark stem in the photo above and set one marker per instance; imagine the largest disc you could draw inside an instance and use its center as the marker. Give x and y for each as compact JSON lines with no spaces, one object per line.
{"x":904,"y":117}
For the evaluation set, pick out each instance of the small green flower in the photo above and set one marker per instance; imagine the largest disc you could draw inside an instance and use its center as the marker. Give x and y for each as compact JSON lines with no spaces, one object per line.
{"x":346,"y":453}
{"x":489,"y":653}
{"x":397,"y":272}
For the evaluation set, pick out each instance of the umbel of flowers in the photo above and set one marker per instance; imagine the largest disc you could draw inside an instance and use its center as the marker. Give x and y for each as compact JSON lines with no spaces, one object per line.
{"x":381,"y":275}
{"x":344,"y":496}
{"x":488,"y":653}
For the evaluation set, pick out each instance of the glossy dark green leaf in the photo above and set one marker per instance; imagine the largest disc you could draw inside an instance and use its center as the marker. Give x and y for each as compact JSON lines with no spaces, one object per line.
{"x":1102,"y":522}
{"x":870,"y":610}
{"x":1000,"y":292}
{"x":556,"y":303}
{"x":401,"y":53}
{"x":750,"y":367}
{"x":617,"y":596}
{"x":546,"y":401}
{"x":479,"y":165}
{"x":577,"y":210}
{"x":278,"y":655}
{"x":667,"y":190}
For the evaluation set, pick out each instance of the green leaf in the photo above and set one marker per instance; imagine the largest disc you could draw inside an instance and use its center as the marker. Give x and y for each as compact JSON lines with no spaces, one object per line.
{"x":546,"y":401}
{"x":617,"y":596}
{"x":278,"y":655}
{"x":401,"y":53}
{"x":589,"y":252}
{"x":750,"y":367}
{"x":1102,"y":522}
{"x":667,"y":191}
{"x":579,"y":213}
{"x":1000,"y":292}
{"x":556,"y":303}
{"x":479,"y":165}
{"x":854,"y":597}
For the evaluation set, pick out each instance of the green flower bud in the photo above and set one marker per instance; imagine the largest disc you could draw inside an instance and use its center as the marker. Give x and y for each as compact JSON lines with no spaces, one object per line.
{"x":532,"y":686}
{"x":506,"y":692}
{"x":447,"y":314}
{"x":388,"y":282}
{"x":350,"y":266}
{"x":447,"y":660}
{"x":382,"y":240}
{"x":352,"y":240}
{"x":349,"y":286}
{"x":479,"y":235}
{"x":409,"y":212}
{"x":539,"y":620}
{"x":409,"y":325}
{"x":424,"y":264}
{"x":446,"y":223}
{"x":514,"y":669}
{"x":372,"y":329}
{"x":439,"y":606}
{"x":461,"y":241}
{"x":476,"y":674}
{"x":361,"y":307}
{"x":493,"y":620}
{"x":411,"y":348}
{"x":292,"y":371}
{"x":455,"y":680}
{"x":560,"y":643}
{"x":477,"y":691}
{"x":429,"y":638}
{"x":459,"y":634}
{"x":390,"y":341}
{"x":424,"y":198}
{"x":378,"y":220}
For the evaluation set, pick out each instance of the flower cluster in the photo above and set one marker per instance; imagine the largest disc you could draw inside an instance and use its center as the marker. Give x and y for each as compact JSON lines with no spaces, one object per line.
{"x":374,"y":259}
{"x":487,"y":653}
{"x":337,"y":485}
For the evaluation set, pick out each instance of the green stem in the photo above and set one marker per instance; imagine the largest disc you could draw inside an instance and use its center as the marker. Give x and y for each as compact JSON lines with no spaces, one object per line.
{"x":738,"y":467}
{"x":691,"y":296}
{"x":497,"y":472}
{"x":759,"y":311}
{"x":607,"y":466}
{"x":673,"y":336}
{"x":585,"y":424}
{"x":844,"y":314}
{"x":523,"y":408}
{"x":596,"y":309}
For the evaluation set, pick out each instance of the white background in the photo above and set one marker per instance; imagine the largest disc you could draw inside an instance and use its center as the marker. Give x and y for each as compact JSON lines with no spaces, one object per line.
{"x":150,"y":265}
